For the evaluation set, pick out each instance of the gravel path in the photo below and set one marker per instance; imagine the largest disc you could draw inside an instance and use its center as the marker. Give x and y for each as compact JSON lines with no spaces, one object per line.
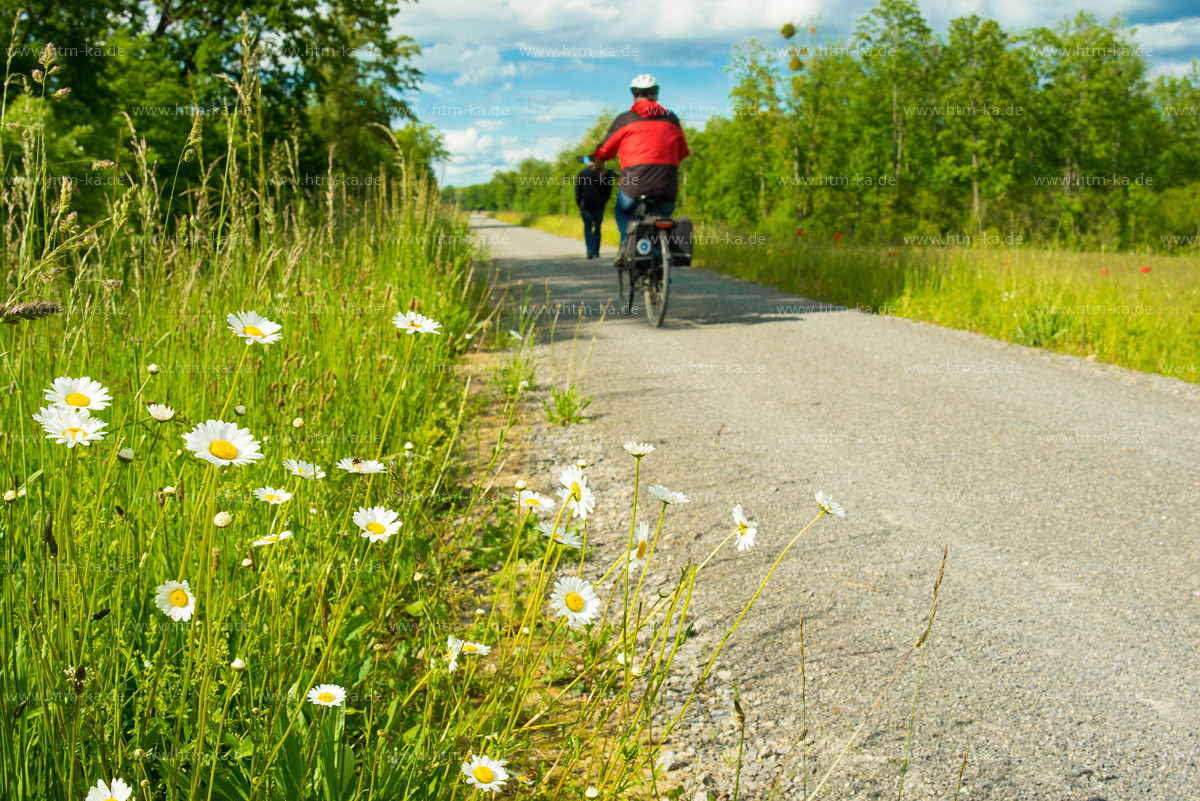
{"x":1066,"y":652}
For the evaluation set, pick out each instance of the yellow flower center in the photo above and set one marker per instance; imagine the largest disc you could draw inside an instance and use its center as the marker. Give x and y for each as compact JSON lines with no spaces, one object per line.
{"x":253,"y":331}
{"x":75,"y":433}
{"x":77,"y":399}
{"x":179,"y":598}
{"x":576,"y":493}
{"x":470,"y":649}
{"x":574,"y":602}
{"x":484,"y":775}
{"x":375,"y":528}
{"x":222,"y":449}
{"x":641,"y":549}
{"x":415,"y":324}
{"x":326,"y":697}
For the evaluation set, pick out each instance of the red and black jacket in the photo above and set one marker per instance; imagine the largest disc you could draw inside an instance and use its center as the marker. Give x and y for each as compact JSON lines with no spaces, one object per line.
{"x":650,"y":142}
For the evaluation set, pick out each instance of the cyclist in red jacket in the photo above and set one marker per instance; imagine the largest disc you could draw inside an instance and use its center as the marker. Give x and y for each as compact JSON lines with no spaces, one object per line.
{"x":649,"y":142}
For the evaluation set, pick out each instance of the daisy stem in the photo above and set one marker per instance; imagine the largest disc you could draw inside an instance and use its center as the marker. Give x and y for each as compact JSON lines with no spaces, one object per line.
{"x":582,"y":548}
{"x":538,"y":585}
{"x":236,"y":374}
{"x":714,"y":551}
{"x":387,"y":421}
{"x":712,"y":659}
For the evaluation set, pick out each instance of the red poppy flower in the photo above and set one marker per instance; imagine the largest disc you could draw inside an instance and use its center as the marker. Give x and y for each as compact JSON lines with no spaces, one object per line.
{"x":799,"y":232}
{"x":891,"y":253}
{"x":1146,"y":269}
{"x":1104,"y":271}
{"x":836,"y":237}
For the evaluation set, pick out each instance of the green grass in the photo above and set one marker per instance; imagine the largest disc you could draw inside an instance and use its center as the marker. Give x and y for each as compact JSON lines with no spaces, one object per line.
{"x":1084,"y":304}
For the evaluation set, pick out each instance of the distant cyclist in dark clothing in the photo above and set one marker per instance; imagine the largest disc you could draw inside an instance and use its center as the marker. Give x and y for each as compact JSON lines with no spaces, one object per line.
{"x":593,"y":188}
{"x":650,"y":143}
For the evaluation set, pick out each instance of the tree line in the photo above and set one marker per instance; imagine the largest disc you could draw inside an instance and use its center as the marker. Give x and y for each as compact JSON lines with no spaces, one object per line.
{"x":329,"y":82}
{"x":1053,"y":135}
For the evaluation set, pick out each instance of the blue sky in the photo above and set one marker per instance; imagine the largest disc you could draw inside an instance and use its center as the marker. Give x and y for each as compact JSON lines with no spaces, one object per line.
{"x":505,"y":80}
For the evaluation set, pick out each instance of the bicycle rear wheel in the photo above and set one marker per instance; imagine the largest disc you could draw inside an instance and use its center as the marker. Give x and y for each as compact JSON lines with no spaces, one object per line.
{"x":658,"y":283}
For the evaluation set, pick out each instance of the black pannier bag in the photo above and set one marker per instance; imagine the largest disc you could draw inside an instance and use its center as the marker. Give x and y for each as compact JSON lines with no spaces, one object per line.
{"x":681,"y":242}
{"x":641,"y":237}
{"x":639,"y":243}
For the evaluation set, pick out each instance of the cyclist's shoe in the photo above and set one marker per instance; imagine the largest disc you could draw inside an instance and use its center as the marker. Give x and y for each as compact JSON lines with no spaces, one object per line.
{"x":619,"y":261}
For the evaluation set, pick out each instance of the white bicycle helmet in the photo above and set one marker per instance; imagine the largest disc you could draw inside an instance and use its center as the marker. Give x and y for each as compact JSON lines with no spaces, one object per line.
{"x":643,"y":81}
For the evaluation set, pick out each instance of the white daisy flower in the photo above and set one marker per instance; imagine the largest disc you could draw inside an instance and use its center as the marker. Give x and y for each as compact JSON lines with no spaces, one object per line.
{"x":73,"y":428}
{"x":238,"y":664}
{"x":453,"y":649}
{"x":827,"y":503}
{"x":222,"y":519}
{"x":303,"y":469}
{"x":78,"y":393}
{"x":222,"y":443}
{"x":638,"y":449}
{"x":747,"y":529}
{"x":327,"y":695}
{"x":591,"y":791}
{"x":271,"y":539}
{"x":175,"y":600}
{"x":48,"y":414}
{"x":574,"y":482}
{"x":114,"y":790}
{"x":272,"y":495}
{"x":458,"y":646}
{"x":364,"y":466}
{"x":160,"y":412}
{"x":377,"y":523}
{"x":486,"y":774}
{"x":661,"y":493}
{"x":413,"y":323}
{"x":641,"y":546}
{"x":125,"y":454}
{"x":574,"y":599}
{"x":534,"y":501}
{"x":567,"y":538}
{"x":253,"y":327}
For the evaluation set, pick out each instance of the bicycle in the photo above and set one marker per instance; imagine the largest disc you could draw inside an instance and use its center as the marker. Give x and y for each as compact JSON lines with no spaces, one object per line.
{"x":648,"y":262}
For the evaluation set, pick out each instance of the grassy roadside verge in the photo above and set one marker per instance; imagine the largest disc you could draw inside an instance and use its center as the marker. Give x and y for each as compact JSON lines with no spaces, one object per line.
{"x":1102,"y":305}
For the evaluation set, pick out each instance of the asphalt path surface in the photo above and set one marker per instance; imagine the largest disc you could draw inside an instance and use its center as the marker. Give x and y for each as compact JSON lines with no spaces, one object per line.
{"x":1065,"y":654}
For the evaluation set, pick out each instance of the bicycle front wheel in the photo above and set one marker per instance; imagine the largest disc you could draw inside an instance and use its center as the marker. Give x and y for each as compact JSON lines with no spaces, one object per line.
{"x":658,"y":284}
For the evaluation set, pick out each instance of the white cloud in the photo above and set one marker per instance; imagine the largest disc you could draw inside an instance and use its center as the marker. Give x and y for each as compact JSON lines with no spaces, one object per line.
{"x":1170,"y":37}
{"x":599,"y":23}
{"x":468,"y":142}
